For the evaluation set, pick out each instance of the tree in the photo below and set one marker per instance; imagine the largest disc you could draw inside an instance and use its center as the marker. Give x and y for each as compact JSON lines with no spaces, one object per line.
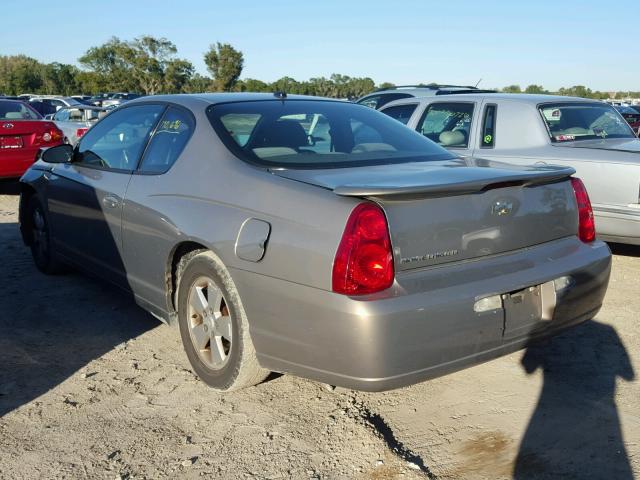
{"x":20,"y":74}
{"x":512,"y":89}
{"x":198,"y":84}
{"x":535,"y":89}
{"x":225,"y":64}
{"x":177,"y":74}
{"x":146,"y":64}
{"x":252,"y":85}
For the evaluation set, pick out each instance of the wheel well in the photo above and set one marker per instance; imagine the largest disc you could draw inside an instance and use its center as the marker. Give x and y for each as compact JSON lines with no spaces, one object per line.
{"x":178,"y":252}
{"x":26,"y":192}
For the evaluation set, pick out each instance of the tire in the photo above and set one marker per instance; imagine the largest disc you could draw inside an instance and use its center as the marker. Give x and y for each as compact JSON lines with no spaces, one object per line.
{"x":210,"y":311}
{"x":42,"y":251}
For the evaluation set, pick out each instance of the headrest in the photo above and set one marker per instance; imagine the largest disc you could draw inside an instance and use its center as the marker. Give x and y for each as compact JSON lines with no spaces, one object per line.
{"x":455,"y":137}
{"x":284,"y":133}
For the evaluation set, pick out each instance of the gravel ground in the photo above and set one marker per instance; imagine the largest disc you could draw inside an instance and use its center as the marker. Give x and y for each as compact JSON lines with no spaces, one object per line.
{"x":92,"y":386}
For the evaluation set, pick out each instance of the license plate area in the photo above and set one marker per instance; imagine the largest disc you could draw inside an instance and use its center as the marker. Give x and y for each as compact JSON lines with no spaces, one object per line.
{"x":528,"y":310}
{"x":11,"y":142}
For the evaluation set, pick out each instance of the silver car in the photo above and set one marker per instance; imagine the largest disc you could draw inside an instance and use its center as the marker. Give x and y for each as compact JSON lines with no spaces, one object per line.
{"x":75,"y":121}
{"x":587,"y":135}
{"x":315,"y":237}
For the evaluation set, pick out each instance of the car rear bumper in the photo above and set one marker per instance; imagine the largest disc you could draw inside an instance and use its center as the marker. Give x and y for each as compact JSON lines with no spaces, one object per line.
{"x":13,"y":163}
{"x":425,"y":326}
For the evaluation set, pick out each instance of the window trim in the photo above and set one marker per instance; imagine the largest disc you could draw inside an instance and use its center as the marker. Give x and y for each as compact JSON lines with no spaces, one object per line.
{"x":168,"y":105}
{"x":415,"y":105}
{"x":493,"y":126}
{"x":120,"y":170}
{"x":443,"y":101}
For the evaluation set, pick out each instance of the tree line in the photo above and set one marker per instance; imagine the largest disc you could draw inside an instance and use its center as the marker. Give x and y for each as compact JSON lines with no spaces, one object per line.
{"x":151,"y":66}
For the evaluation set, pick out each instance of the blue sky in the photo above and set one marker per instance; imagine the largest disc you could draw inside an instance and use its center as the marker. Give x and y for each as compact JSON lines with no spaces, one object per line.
{"x":553,"y":43}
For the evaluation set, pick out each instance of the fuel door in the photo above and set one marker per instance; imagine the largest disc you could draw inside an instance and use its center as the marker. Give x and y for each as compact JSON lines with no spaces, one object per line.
{"x":252,"y":240}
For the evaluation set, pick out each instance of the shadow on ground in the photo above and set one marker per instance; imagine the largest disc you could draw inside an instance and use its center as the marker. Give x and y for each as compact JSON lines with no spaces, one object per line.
{"x":9,"y":187}
{"x":53,"y":326}
{"x":575,"y":430}
{"x":625,"y":250}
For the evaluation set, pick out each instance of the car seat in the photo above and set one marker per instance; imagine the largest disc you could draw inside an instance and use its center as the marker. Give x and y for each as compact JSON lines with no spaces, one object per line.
{"x":453,"y":138}
{"x":282,"y":133}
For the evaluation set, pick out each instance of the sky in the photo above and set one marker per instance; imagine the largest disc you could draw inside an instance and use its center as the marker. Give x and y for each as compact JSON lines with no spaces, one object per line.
{"x":543,"y":42}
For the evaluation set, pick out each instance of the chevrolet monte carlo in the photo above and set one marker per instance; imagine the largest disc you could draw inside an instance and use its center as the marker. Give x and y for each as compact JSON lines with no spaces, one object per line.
{"x":315,"y":237}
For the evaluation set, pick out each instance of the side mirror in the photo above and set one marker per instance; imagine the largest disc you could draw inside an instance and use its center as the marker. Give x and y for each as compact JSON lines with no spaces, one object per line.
{"x":58,"y":154}
{"x":49,"y":117}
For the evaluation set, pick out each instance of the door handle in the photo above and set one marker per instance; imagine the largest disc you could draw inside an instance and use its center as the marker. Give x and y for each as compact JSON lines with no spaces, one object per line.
{"x":110,"y":201}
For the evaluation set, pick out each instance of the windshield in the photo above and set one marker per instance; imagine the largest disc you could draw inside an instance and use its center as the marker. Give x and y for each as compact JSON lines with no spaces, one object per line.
{"x":17,"y":111}
{"x":623,"y":109}
{"x":584,"y":121}
{"x":318,"y":134}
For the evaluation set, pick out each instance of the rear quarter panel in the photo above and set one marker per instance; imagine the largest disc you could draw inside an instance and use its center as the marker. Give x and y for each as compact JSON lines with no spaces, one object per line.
{"x":206,"y":197}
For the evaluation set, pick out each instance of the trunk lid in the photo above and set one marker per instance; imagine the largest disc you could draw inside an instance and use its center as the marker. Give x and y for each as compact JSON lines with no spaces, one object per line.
{"x":29,"y":131}
{"x":440,"y":212}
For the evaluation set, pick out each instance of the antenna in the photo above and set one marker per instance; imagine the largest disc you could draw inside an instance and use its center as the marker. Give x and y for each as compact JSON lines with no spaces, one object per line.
{"x":476,"y":85}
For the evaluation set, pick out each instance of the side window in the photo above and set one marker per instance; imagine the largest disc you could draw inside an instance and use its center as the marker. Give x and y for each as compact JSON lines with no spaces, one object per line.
{"x":117,"y":141}
{"x":168,"y":141}
{"x":62,"y":115}
{"x":390,"y":97}
{"x":447,"y":124}
{"x":371,"y":102}
{"x":488,"y":134}
{"x":402,"y":113}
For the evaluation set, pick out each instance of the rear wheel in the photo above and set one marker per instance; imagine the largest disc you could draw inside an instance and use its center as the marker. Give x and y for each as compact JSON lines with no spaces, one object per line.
{"x":213,"y":324}
{"x":43,"y":253}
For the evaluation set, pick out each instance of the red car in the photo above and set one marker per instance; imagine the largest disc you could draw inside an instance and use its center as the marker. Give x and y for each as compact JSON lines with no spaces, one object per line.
{"x":22,"y":133}
{"x":632,"y":116}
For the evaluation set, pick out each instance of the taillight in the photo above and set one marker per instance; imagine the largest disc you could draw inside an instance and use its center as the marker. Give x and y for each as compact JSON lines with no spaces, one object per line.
{"x":364,"y":261}
{"x":52,"y":134}
{"x":586,"y":222}
{"x":81,"y":131}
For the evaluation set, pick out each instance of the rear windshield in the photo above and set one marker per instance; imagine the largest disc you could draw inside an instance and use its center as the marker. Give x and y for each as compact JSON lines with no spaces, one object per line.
{"x":318,"y":134}
{"x":584,"y":121}
{"x":17,"y":111}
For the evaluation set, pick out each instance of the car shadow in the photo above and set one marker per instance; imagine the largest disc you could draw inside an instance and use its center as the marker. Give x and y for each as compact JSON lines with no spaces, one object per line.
{"x":625,"y":250}
{"x":575,"y":430}
{"x":53,"y":326}
{"x":9,"y":187}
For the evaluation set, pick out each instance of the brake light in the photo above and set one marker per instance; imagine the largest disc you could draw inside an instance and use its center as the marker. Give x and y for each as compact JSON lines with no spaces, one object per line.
{"x":51,"y":134}
{"x":586,"y":222}
{"x":364,"y":261}
{"x":81,"y":131}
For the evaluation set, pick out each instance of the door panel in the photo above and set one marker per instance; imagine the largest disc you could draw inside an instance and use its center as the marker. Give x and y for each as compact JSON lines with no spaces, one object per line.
{"x":85,"y":206}
{"x":85,"y":198}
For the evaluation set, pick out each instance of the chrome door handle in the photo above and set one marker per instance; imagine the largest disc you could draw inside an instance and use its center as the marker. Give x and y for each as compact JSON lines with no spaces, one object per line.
{"x":110,"y":201}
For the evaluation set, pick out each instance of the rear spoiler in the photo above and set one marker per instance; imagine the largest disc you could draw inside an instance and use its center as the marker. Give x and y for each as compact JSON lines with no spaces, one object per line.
{"x":435,"y":185}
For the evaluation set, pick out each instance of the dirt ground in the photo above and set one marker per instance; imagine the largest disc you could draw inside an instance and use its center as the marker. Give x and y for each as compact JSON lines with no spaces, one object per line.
{"x":91,"y":386}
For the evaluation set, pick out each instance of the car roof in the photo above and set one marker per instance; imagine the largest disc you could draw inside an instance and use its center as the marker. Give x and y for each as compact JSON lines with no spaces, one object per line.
{"x":192,"y":99}
{"x":82,"y":106}
{"x":528,"y":98}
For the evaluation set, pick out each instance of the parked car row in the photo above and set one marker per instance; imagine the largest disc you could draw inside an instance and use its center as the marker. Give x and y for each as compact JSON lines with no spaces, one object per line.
{"x":325,"y":239}
{"x":74,"y":121}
